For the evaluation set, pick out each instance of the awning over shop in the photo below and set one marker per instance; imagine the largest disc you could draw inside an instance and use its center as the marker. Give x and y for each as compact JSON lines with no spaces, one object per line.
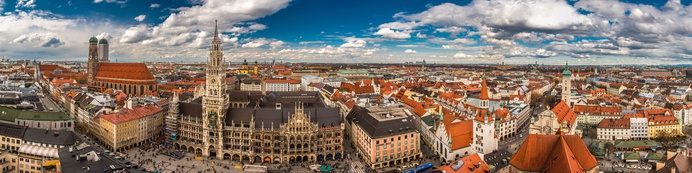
{"x":39,"y":151}
{"x":51,"y":163}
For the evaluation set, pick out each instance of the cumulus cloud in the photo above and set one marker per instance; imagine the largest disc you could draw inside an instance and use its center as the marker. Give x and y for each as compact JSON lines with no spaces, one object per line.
{"x":421,"y":35}
{"x":478,"y":56}
{"x":409,"y":51}
{"x":354,"y":43}
{"x":44,"y":39}
{"x":400,"y":25}
{"x":260,"y":42}
{"x":392,"y":34}
{"x":23,"y":3}
{"x":155,"y":6}
{"x":52,"y":42}
{"x":140,"y":18}
{"x":135,"y":34}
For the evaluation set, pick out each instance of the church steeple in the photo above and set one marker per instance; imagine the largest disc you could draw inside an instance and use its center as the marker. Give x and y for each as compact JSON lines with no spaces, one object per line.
{"x":216,"y":56}
{"x":216,"y":31}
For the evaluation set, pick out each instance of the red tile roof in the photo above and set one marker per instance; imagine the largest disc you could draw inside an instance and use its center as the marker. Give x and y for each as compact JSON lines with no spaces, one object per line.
{"x":553,"y":153}
{"x":125,"y":115}
{"x":470,"y":164}
{"x":484,"y":91}
{"x":461,"y":132}
{"x":564,"y":114}
{"x":663,"y":120}
{"x":504,"y":114}
{"x":133,"y":73}
{"x":657,"y":112}
{"x":607,"y":123}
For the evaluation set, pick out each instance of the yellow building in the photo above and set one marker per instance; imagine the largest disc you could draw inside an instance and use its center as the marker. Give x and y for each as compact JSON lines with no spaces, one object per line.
{"x":10,"y":139}
{"x":129,"y":127}
{"x":664,"y":126}
{"x":245,"y":69}
{"x":39,"y":146}
{"x":8,"y":162}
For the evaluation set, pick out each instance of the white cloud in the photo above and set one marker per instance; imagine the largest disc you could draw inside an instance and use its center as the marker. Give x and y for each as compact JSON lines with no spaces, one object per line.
{"x":257,"y":27}
{"x":23,"y":3}
{"x":135,"y":34}
{"x":392,"y":34}
{"x":421,"y":35}
{"x":478,"y":56}
{"x":409,"y":51}
{"x":140,"y":18}
{"x":400,"y":26}
{"x":260,"y":42}
{"x":111,"y":1}
{"x":155,"y":6}
{"x":311,"y":42}
{"x":45,"y":39}
{"x":355,"y":43}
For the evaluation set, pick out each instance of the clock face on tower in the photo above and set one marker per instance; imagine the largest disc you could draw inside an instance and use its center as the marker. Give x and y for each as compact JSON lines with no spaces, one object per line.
{"x":213,"y":80}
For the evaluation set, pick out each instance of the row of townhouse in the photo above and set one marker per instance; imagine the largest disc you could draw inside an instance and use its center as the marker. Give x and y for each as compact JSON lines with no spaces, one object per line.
{"x":593,"y":114}
{"x":638,"y":126}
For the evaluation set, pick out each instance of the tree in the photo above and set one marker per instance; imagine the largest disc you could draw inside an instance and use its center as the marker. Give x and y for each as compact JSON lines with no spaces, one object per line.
{"x":549,"y":100}
{"x":536,"y":100}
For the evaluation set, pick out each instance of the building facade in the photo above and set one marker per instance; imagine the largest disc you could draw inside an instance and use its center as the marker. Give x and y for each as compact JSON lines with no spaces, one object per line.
{"x":130,"y":126}
{"x":131,"y":78}
{"x":384,"y":136}
{"x":279,"y":127}
{"x":566,"y":85}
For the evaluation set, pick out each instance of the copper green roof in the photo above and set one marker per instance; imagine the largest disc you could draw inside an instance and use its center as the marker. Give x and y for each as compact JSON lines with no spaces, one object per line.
{"x":654,"y":156}
{"x":566,"y":72}
{"x":245,"y":62}
{"x":632,"y":156}
{"x":103,"y":41}
{"x":10,"y":114}
{"x":93,"y":39}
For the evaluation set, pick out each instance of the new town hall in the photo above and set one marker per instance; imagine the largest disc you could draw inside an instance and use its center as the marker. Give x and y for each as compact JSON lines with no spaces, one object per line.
{"x":277,"y":127}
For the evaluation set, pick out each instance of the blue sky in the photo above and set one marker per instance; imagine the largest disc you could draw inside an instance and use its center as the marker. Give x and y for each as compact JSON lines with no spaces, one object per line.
{"x":480,"y":31}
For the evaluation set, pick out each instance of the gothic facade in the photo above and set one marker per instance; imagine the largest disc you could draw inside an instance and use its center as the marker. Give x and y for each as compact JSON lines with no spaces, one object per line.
{"x":278,"y":127}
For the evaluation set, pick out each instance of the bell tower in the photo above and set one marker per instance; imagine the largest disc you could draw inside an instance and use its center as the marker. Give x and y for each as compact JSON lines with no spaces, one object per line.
{"x":93,"y":61}
{"x":215,"y":102}
{"x":566,"y":85}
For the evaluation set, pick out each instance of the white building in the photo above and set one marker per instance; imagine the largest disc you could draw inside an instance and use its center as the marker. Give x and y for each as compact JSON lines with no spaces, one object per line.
{"x":484,"y":139}
{"x":250,"y":85}
{"x":639,"y":128}
{"x":284,"y":85}
{"x":614,"y":129}
{"x":307,"y":79}
{"x":453,"y":138}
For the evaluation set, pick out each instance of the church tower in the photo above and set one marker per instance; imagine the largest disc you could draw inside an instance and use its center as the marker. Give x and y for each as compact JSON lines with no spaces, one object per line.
{"x":484,"y":98}
{"x":215,"y":102}
{"x":255,"y":68}
{"x":93,"y":62}
{"x":484,"y":139}
{"x":103,"y":50}
{"x":566,"y":85}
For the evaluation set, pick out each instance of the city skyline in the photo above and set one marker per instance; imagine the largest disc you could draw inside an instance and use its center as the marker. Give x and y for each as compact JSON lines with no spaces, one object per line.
{"x":479,"y":32}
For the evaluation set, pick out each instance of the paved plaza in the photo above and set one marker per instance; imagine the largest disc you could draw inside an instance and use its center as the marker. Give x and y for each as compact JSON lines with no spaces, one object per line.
{"x":151,"y":159}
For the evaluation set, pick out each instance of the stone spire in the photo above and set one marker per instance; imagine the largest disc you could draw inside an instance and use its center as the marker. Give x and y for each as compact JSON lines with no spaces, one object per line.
{"x":216,"y":32}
